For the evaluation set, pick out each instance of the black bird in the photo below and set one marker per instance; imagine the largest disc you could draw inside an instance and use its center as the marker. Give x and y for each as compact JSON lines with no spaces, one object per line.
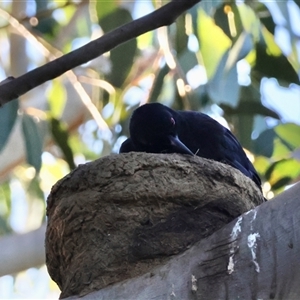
{"x":155,"y":128}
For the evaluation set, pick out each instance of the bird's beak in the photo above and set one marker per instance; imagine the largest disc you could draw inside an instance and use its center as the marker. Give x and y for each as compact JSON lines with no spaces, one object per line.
{"x":178,"y":146}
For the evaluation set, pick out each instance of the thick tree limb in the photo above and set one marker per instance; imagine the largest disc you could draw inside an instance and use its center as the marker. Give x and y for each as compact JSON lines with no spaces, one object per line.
{"x":254,"y":257}
{"x":22,"y":251}
{"x":122,"y":215}
{"x":163,"y":16}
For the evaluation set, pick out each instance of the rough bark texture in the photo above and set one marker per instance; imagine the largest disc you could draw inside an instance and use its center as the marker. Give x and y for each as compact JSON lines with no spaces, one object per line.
{"x":122,"y":215}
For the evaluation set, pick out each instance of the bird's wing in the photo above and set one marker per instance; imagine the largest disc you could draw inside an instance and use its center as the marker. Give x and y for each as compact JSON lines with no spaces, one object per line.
{"x":236,"y":156}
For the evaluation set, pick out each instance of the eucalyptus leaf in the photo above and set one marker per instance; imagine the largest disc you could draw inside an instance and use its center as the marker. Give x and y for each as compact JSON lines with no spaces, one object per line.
{"x":282,"y":182}
{"x":249,"y":108}
{"x":223,"y":88}
{"x":264,"y":144}
{"x":227,"y":17}
{"x":57,"y":97}
{"x":282,"y":172}
{"x":122,"y":57}
{"x":5,"y":208}
{"x":244,"y":116}
{"x":263,"y":13}
{"x":269,"y":40}
{"x":279,"y":67}
{"x":5,"y":199}
{"x":181,"y":38}
{"x":250,"y":23}
{"x":212,"y":50}
{"x":8,"y":116}
{"x":104,"y":8}
{"x":281,"y":150}
{"x":221,"y":19}
{"x":158,"y":83}
{"x":261,"y":164}
{"x":244,"y":124}
{"x":33,"y":142}
{"x":187,"y":60}
{"x":46,"y":25}
{"x":290,"y":133}
{"x":61,"y":137}
{"x":209,"y":6}
{"x":240,"y":49}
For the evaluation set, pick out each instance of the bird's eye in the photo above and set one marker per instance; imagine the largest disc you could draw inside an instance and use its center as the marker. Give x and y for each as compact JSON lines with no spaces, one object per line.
{"x":172,"y":122}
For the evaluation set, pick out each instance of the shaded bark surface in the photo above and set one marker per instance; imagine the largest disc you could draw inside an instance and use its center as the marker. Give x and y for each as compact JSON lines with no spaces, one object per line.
{"x":122,"y":215}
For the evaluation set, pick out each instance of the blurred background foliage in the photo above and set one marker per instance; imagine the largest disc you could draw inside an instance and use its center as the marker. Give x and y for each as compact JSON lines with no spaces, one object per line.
{"x":238,"y":61}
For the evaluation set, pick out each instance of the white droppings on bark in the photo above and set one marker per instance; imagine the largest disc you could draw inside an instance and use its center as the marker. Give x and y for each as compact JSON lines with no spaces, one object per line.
{"x":254,"y":211}
{"x":194,"y":283}
{"x":230,"y":267}
{"x":252,"y":244}
{"x":173,"y":295}
{"x":236,"y":230}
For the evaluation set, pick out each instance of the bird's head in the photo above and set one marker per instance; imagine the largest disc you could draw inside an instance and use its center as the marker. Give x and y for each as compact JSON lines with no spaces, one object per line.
{"x":153,"y":129}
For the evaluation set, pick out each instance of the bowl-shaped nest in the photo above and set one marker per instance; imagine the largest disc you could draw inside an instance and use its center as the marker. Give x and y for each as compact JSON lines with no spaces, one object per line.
{"x":121,"y":215}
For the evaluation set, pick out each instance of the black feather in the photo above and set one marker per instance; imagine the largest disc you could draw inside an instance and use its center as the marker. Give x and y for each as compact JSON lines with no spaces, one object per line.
{"x":155,"y":128}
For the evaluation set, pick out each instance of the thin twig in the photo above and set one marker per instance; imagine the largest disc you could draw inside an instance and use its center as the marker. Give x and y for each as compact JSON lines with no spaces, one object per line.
{"x":164,"y":16}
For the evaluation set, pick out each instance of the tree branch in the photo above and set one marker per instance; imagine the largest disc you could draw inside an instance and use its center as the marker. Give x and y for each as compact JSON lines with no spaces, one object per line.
{"x":164,"y":16}
{"x":22,"y":251}
{"x":254,"y":257}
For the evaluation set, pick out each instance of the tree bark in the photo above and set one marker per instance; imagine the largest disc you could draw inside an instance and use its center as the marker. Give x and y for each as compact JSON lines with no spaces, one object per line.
{"x":122,"y":215}
{"x":256,"y":256}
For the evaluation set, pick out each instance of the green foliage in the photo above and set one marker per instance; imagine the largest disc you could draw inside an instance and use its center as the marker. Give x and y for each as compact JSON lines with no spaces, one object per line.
{"x":158,"y":83}
{"x":290,"y":134}
{"x":268,"y":65}
{"x":103,"y":10}
{"x":57,"y":97}
{"x":279,"y":145}
{"x":282,"y":172}
{"x":47,"y":25}
{"x":33,"y":142}
{"x":61,"y":136}
{"x":215,"y":58}
{"x":5,"y":208}
{"x":8,"y":116}
{"x":193,"y":64}
{"x":121,"y":64}
{"x":211,"y":50}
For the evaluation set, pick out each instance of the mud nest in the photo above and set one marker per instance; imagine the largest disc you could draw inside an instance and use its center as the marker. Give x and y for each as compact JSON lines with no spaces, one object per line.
{"x":120,"y":216}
